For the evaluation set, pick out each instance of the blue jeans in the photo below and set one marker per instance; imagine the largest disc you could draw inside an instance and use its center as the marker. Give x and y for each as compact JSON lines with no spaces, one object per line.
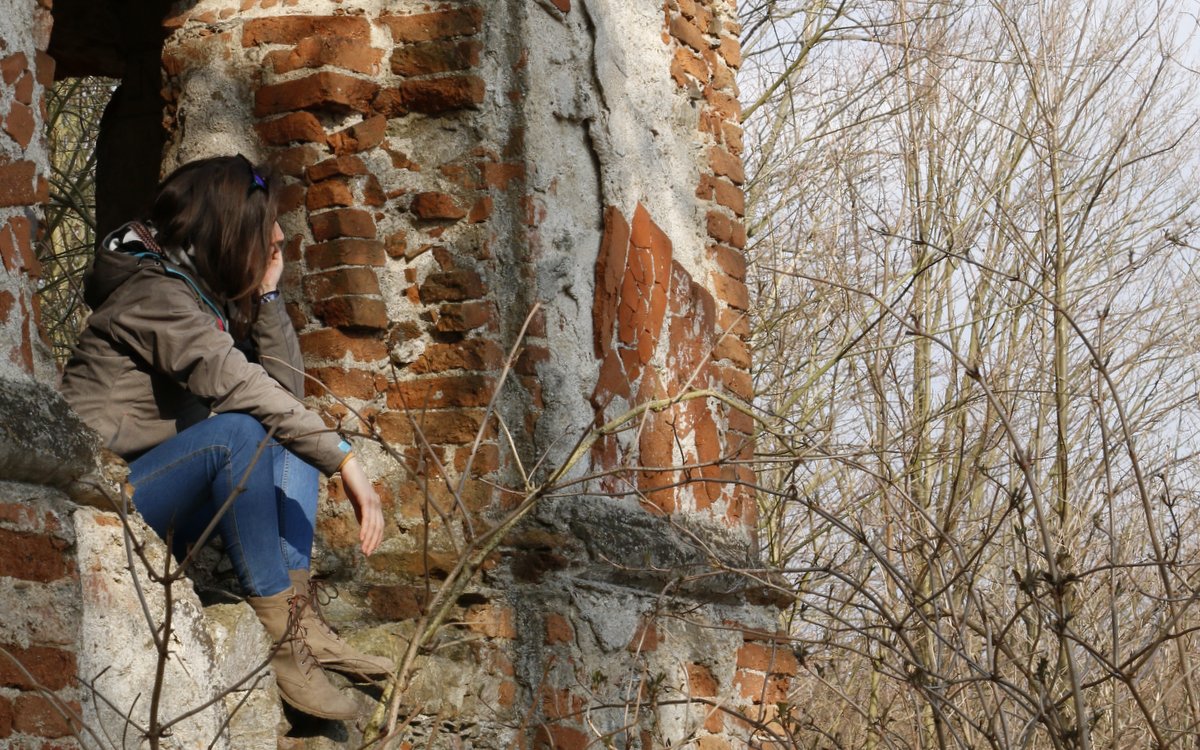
{"x":181,"y":484}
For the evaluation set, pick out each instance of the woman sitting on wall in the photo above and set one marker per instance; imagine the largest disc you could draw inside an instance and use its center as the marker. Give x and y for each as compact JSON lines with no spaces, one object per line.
{"x":158,"y":375}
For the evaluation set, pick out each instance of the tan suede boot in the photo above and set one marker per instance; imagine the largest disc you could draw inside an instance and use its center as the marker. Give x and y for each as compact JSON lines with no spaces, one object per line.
{"x":328,"y":648}
{"x":302,"y":682}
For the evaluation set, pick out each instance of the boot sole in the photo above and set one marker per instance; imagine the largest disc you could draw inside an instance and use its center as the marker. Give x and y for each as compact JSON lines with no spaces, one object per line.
{"x":352,"y":672}
{"x":318,"y":714}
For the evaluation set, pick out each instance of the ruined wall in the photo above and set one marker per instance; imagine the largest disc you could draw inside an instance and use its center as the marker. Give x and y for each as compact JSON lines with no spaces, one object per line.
{"x":458,"y":173}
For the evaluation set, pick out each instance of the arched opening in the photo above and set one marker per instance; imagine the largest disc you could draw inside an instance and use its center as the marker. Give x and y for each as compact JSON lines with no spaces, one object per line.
{"x":104,"y":123}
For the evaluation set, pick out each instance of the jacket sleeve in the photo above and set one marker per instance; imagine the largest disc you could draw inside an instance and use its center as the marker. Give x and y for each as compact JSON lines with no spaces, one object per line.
{"x":167,"y":329}
{"x":277,"y":347}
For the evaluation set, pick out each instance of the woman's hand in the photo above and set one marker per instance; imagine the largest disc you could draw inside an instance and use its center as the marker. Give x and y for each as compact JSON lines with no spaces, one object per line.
{"x":274,"y":270}
{"x":367,"y":508}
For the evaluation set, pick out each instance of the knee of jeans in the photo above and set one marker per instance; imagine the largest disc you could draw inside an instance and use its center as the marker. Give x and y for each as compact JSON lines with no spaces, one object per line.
{"x":241,"y":429}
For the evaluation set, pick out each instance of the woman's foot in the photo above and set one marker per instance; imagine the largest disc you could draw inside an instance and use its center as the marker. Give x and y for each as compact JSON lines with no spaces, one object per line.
{"x":327,"y":646}
{"x":302,"y":682}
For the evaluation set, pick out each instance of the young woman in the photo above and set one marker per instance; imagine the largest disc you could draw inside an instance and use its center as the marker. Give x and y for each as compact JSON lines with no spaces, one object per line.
{"x":160,"y":373}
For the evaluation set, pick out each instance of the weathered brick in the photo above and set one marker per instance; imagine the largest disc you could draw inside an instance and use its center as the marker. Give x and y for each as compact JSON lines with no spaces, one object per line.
{"x":700,"y":681}
{"x":731,"y":291}
{"x":441,"y":392}
{"x":292,"y":29}
{"x":725,"y":105}
{"x":738,"y":382}
{"x":12,"y":66}
{"x":561,"y":737}
{"x":443,"y":24}
{"x":49,"y":668}
{"x":19,"y":185}
{"x":726,"y":164}
{"x":344,"y":382}
{"x":328,"y":343}
{"x":352,"y":312}
{"x":731,"y":262}
{"x":687,"y":32}
{"x":19,"y":123}
{"x":342,"y":222}
{"x":491,"y":620}
{"x":291,"y":128}
{"x":759,"y":689}
{"x":33,"y":557}
{"x":731,"y":51}
{"x":434,"y":95}
{"x":501,"y":175}
{"x":324,"y":90}
{"x":37,"y":715}
{"x":685,"y":64}
{"x":558,"y":629}
{"x":720,"y":228}
{"x":396,"y":603}
{"x":6,"y":717}
{"x":452,"y":286}
{"x":345,"y":252}
{"x":319,"y":51}
{"x":346,"y":165}
{"x":472,"y":354}
{"x":772,"y":658}
{"x":328,"y":194}
{"x":435,"y":206}
{"x":343,"y":281}
{"x":293,"y":161}
{"x":359,"y":137}
{"x":435,"y":57}
{"x":461,"y":317}
{"x":438,"y":427}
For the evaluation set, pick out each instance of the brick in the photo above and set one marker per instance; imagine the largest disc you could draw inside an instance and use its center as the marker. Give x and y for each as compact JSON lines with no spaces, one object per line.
{"x":461,"y":317}
{"x":435,"y":57}
{"x":730,"y":196}
{"x":491,"y":620}
{"x":738,"y":382}
{"x":321,"y":91}
{"x":731,"y":262}
{"x":436,"y":206}
{"x":700,"y":681}
{"x":397,"y":603}
{"x":452,"y":286}
{"x":345,"y":165}
{"x":37,"y":715}
{"x":685,"y":65}
{"x":328,"y":194}
{"x":759,"y":689}
{"x":12,"y":67}
{"x":293,"y":161}
{"x":438,"y":95}
{"x":424,"y":27}
{"x":731,"y":291}
{"x":441,"y":392}
{"x":344,"y":382}
{"x":49,"y":668}
{"x":770,"y":658}
{"x":361,"y":136}
{"x":291,"y":128}
{"x":292,"y":29}
{"x":344,"y":252}
{"x":19,"y":184}
{"x":343,"y":281}
{"x":448,"y":427}
{"x":725,"y":105}
{"x":472,"y":354}
{"x":500,"y":175}
{"x":720,"y":228}
{"x":328,"y":343}
{"x":342,"y":222}
{"x":352,"y":312}
{"x":558,"y":630}
{"x":687,"y":32}
{"x":44,"y":65}
{"x":726,"y":164}
{"x":372,"y":192}
{"x":733,"y":137}
{"x":731,"y":51}
{"x":19,"y":124}
{"x":319,"y":51}
{"x":6,"y":717}
{"x":33,"y":557}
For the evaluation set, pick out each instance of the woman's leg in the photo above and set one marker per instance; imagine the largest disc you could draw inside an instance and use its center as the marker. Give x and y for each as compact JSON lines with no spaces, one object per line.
{"x":181,"y":484}
{"x":296,"y":486}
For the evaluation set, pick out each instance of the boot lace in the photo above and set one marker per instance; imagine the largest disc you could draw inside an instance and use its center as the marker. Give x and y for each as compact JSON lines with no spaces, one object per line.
{"x":321,"y":592}
{"x":297,"y":632}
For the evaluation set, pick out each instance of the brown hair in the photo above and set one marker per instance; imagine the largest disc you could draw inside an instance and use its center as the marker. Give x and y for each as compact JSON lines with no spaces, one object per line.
{"x":224,"y":208}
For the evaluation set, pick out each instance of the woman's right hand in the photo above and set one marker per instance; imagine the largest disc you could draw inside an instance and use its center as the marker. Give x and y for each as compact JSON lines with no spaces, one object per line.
{"x":367,"y":508}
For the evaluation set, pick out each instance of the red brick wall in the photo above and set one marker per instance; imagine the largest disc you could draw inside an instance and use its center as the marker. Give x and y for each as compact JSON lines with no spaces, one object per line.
{"x":25,"y":72}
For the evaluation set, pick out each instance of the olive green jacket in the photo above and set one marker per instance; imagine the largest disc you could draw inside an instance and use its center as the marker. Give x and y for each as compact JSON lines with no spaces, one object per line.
{"x":154,"y":359}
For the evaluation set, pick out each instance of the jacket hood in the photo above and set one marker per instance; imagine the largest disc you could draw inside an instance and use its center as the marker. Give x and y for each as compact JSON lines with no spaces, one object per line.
{"x":123,"y":254}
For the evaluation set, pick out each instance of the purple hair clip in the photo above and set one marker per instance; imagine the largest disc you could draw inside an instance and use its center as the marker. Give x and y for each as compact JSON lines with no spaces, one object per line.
{"x":256,"y":178}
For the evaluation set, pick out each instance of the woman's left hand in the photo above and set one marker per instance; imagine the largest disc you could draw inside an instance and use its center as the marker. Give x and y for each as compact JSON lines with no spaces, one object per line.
{"x":367,"y":507}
